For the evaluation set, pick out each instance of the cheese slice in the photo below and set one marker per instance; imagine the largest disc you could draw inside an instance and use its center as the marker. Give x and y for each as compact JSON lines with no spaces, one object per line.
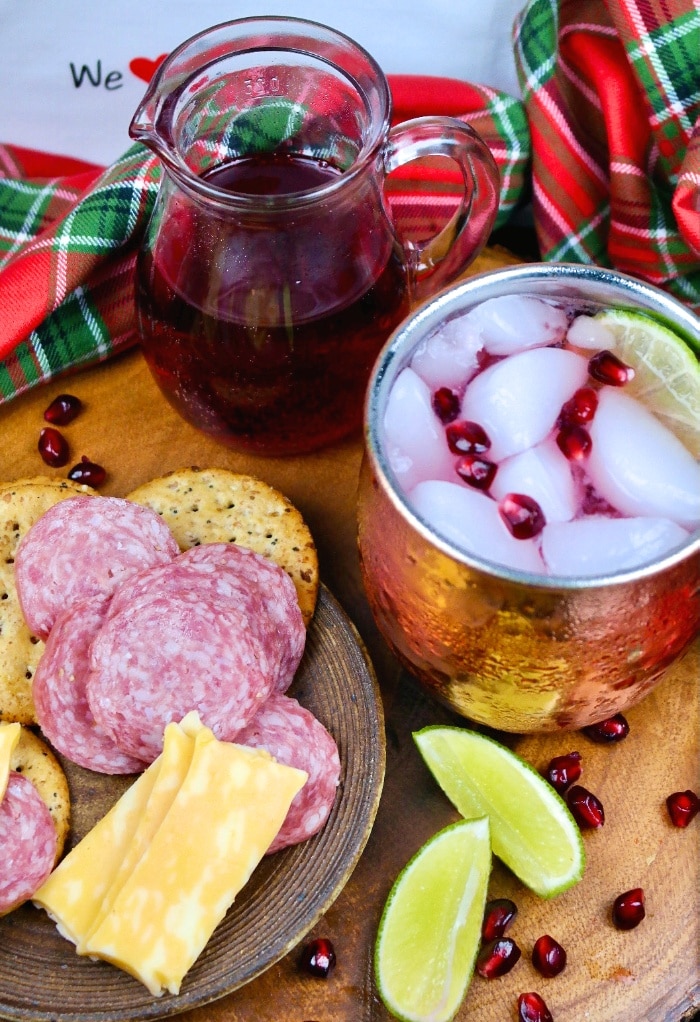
{"x":174,"y":763}
{"x":228,"y":809}
{"x":9,"y":736}
{"x":73,"y":893}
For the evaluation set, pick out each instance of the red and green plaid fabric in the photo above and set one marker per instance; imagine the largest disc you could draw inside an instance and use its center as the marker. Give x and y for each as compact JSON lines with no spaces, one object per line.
{"x":422,"y":197}
{"x":612,"y":94}
{"x":67,"y":253}
{"x":606,"y":139}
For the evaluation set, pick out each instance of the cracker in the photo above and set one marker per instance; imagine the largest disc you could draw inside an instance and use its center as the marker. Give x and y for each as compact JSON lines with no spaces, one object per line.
{"x":219,"y":506}
{"x":22,"y":503}
{"x":56,"y":482}
{"x":33,"y":758}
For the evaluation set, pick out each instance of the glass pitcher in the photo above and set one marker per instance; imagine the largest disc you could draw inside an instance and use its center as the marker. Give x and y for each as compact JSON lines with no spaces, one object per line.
{"x":271,"y":273}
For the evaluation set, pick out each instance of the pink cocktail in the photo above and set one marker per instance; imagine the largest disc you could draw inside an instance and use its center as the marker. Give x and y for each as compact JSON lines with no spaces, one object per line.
{"x":516,"y":431}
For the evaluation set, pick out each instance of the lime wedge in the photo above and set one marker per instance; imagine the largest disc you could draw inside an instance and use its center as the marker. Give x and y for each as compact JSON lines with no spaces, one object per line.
{"x":430,"y":928}
{"x":666,"y":371}
{"x":532,"y":830}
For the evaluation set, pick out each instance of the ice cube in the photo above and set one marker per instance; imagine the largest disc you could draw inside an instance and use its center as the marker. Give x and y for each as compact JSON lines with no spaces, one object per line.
{"x":588,"y":332}
{"x":449,"y":357}
{"x":543,"y":473}
{"x":597,"y":545}
{"x":414,"y":436}
{"x":638,"y":465}
{"x":470,"y":520}
{"x":512,"y":323}
{"x":517,"y":400}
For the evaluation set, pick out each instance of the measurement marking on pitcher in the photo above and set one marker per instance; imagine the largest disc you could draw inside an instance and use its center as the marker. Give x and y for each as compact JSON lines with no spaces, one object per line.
{"x":262,"y":85}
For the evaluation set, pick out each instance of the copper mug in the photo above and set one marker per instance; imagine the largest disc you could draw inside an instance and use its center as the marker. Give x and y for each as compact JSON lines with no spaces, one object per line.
{"x":518,"y":652}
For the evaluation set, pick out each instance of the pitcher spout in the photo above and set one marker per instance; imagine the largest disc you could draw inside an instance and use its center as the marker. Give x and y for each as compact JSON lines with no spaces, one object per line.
{"x":151,"y":124}
{"x":143,"y":124}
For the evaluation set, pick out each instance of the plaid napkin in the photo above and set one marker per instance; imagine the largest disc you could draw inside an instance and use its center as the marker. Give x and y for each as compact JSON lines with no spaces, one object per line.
{"x":606,"y":140}
{"x":612,"y":93}
{"x":67,"y":257}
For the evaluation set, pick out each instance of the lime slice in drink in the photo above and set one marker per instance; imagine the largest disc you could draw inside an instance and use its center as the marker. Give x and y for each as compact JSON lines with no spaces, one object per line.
{"x":430,"y":929}
{"x":532,"y":829}
{"x":666,"y":371}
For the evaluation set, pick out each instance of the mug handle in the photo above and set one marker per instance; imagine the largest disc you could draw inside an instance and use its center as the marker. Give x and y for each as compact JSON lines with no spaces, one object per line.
{"x":438,"y":260}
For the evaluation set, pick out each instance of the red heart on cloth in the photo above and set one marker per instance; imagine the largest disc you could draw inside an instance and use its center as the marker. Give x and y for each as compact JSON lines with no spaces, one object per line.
{"x":145,"y":68}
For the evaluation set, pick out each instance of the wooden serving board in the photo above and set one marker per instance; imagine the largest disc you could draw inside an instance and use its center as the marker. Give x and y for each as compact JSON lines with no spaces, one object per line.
{"x":651,"y":974}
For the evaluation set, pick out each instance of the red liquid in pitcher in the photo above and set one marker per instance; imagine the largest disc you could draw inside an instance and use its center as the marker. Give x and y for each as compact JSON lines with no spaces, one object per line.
{"x":272,"y":174}
{"x":266,"y":352}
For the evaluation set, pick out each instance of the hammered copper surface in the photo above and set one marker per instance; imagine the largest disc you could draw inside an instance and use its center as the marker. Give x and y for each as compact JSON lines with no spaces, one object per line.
{"x":517,"y":656}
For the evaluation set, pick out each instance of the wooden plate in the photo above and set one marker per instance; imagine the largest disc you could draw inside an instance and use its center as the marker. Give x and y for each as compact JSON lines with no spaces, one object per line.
{"x":41,"y":976}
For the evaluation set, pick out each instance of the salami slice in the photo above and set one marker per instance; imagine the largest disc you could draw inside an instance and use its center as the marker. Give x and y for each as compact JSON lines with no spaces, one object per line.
{"x":164,"y":654}
{"x":27,"y":840}
{"x":82,"y":547}
{"x":291,"y":733}
{"x":214,"y":586}
{"x":232,"y":575}
{"x":278,"y":593}
{"x":60,"y":697}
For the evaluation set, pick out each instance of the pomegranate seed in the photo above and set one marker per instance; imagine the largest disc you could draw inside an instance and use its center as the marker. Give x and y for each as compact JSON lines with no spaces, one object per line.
{"x":683,"y":807}
{"x":318,"y":957}
{"x":484,"y":360}
{"x":548,"y":956}
{"x":614,"y":729}
{"x":445,"y":405}
{"x":628,"y":909}
{"x":497,"y":958}
{"x":579,"y":409}
{"x":53,"y":447}
{"x":563,"y":771}
{"x":464,"y":437}
{"x":498,"y":915}
{"x":531,"y":1008}
{"x":607,"y":368}
{"x":586,"y":809}
{"x":574,"y":442}
{"x":63,"y":409}
{"x":476,"y":471}
{"x":522,"y":515}
{"x":88,"y":472}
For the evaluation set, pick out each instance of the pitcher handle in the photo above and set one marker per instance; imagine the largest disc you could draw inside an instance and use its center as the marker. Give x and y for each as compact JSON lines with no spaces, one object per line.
{"x":437,"y":261}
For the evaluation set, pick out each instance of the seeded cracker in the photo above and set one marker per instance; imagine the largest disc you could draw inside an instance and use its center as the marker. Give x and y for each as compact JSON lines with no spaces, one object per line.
{"x":33,"y":758}
{"x":22,"y":503}
{"x":219,"y":506}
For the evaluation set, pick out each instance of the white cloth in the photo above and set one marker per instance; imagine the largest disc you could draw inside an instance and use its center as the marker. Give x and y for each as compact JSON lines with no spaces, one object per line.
{"x":69,"y":75}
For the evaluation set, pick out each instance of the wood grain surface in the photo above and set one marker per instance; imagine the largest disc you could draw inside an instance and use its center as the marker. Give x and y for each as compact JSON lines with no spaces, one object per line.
{"x":651,"y":974}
